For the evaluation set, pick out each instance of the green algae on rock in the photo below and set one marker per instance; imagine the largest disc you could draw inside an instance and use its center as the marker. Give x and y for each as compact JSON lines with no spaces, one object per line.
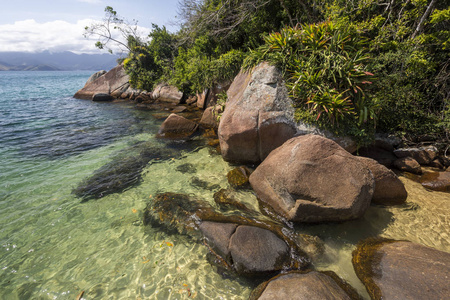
{"x":239,"y":177}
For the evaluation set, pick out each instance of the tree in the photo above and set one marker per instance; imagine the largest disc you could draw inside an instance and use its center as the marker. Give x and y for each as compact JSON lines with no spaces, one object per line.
{"x":116,"y":30}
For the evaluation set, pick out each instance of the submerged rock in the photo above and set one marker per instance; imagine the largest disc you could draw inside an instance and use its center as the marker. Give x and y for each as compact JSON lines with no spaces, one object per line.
{"x":225,"y":199}
{"x":239,"y":177}
{"x":436,"y":181}
{"x":402,"y":270}
{"x":312,"y":179}
{"x":245,"y":245}
{"x":123,"y":172}
{"x":309,"y":285}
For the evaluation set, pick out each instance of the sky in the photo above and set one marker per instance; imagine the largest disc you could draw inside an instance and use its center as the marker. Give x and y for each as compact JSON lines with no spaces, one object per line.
{"x":58,"y":25}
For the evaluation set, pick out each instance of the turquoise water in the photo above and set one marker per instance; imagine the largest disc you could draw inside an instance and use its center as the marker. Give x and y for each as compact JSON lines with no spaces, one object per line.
{"x":52,"y":246}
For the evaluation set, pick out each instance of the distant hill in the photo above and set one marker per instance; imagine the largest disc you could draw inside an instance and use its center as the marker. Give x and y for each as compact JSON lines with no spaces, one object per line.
{"x":47,"y":61}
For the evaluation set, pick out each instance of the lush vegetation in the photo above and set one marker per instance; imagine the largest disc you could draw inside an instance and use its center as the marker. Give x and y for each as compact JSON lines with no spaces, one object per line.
{"x":351,"y":66}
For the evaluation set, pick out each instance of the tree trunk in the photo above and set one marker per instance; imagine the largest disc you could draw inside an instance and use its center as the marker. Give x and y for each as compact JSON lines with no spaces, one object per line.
{"x":419,"y":27}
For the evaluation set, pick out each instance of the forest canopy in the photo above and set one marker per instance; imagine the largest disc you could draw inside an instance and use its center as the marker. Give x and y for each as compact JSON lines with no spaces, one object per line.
{"x":352,"y":66}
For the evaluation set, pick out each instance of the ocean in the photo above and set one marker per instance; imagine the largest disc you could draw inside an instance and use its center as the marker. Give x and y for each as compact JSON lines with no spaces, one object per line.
{"x":54,"y":245}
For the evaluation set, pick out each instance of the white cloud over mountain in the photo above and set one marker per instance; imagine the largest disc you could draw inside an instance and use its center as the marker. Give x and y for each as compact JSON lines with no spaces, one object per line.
{"x":54,"y":36}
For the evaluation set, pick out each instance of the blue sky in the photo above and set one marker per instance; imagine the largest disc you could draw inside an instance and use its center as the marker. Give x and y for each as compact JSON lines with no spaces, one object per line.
{"x":58,"y":25}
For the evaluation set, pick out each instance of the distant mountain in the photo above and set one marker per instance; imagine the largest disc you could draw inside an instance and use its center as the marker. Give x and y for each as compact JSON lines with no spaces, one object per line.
{"x":47,"y":61}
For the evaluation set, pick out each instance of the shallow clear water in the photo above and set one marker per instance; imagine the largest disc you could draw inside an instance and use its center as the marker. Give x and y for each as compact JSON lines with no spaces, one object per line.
{"x":52,"y":246}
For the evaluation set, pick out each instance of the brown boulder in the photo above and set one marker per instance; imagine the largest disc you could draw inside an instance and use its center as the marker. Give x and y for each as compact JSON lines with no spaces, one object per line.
{"x":311,"y":285}
{"x":167,"y":93}
{"x":209,"y":119}
{"x":218,"y":236}
{"x":177,"y":127}
{"x":255,"y":250}
{"x":95,"y":76}
{"x":108,"y":83}
{"x":312,"y":179}
{"x":402,"y":270}
{"x":258,"y":117}
{"x":389,"y":189}
{"x":408,"y":164}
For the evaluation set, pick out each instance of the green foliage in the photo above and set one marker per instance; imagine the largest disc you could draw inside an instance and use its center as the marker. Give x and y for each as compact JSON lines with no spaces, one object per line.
{"x":325,"y":70}
{"x":148,"y":64}
{"x":198,"y":67}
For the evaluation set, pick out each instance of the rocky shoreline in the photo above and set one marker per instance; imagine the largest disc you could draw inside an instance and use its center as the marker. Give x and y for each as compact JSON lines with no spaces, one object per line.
{"x":300,"y":174}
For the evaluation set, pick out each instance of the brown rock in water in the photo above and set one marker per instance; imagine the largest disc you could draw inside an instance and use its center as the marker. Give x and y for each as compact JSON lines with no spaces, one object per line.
{"x":167,"y":93}
{"x":239,"y":177}
{"x":389,"y":189}
{"x":423,"y":155}
{"x":102,"y":97}
{"x":256,"y":250}
{"x":218,"y":236}
{"x":94,"y":76}
{"x":108,"y":83}
{"x":436,"y":181}
{"x":258,"y":117}
{"x":310,"y":285}
{"x":209,"y":119}
{"x":402,"y":270}
{"x":312,"y":179}
{"x":408,"y":164}
{"x":176,"y":127}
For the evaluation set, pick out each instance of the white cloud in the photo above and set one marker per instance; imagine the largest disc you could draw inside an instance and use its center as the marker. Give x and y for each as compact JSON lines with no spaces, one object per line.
{"x":54,"y":36}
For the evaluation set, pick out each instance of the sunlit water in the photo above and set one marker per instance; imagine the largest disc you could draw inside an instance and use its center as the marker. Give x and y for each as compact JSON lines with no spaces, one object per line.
{"x":53,"y":247}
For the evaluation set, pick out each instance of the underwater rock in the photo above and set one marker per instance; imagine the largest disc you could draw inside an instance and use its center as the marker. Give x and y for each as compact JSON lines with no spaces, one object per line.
{"x":239,"y":177}
{"x":309,"y":285}
{"x":179,"y":213}
{"x":186,"y":168}
{"x":389,"y":189}
{"x":225,"y":199}
{"x":402,"y":270}
{"x":202,"y":184}
{"x":312,"y":179}
{"x":123,"y":172}
{"x":436,"y":181}
{"x":408,"y":164}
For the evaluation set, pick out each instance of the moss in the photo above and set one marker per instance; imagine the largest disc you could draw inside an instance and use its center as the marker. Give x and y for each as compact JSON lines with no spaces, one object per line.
{"x":365,"y":258}
{"x":239,"y":177}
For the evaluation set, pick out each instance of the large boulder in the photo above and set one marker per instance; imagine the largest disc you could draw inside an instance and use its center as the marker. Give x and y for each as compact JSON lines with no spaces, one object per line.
{"x":311,"y":285}
{"x":312,"y":179}
{"x":209,"y":118}
{"x":389,"y":189}
{"x":177,"y":127}
{"x":95,"y":76}
{"x":258,"y":117}
{"x":102,"y":97}
{"x":108,"y":83}
{"x":402,"y":270}
{"x":167,"y":93}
